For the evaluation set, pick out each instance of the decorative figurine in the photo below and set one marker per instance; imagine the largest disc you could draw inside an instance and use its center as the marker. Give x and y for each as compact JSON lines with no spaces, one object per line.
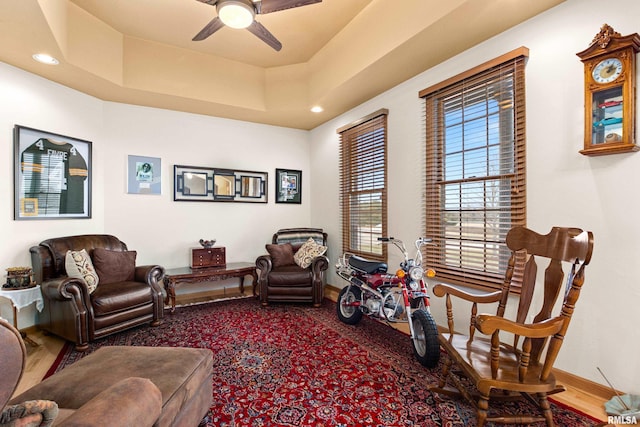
{"x":207,"y":243}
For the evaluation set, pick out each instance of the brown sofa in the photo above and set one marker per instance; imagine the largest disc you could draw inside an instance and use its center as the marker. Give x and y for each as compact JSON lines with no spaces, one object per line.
{"x":71,"y":312}
{"x":114,"y":386}
{"x":280,"y":279}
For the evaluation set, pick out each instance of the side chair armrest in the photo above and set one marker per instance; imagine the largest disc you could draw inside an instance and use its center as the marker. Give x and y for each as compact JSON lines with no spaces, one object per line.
{"x":264,"y":264}
{"x":66,"y":288}
{"x":319,"y":264}
{"x":488,"y":324}
{"x":151,"y":274}
{"x":442,"y":289}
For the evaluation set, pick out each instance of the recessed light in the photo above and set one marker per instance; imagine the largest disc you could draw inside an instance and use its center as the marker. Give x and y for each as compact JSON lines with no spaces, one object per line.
{"x":317,"y":109}
{"x":45,"y":59}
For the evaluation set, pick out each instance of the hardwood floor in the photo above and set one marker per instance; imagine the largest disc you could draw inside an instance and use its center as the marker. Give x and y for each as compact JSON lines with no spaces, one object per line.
{"x":39,"y":358}
{"x":585,"y":396}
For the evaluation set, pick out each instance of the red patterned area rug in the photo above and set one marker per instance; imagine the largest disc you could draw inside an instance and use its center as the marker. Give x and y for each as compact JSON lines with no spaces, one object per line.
{"x":293,"y":365}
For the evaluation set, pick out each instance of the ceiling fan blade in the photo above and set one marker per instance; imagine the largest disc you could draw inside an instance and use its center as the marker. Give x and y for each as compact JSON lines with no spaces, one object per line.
{"x":209,"y":29}
{"x":268,"y":6}
{"x":263,"y":34}
{"x":209,"y":2}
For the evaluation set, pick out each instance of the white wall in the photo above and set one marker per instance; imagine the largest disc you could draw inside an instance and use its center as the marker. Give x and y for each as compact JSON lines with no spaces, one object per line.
{"x":158,"y":228}
{"x":35,"y":102}
{"x":163,"y":230}
{"x":564,"y":187}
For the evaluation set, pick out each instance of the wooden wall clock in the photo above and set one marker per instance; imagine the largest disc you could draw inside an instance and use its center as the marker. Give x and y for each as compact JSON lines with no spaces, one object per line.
{"x":610,"y":93}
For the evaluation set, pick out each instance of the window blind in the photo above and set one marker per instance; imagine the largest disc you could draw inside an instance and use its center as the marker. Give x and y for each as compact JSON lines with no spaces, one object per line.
{"x":475,"y":170}
{"x":363,"y":185}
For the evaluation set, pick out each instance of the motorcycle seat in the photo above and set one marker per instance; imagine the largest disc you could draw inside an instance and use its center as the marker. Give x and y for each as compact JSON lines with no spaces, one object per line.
{"x":369,"y":267}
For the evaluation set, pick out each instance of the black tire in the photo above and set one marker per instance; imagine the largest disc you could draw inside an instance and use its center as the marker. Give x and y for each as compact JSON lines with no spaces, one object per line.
{"x":347,"y":313}
{"x":425,"y":344}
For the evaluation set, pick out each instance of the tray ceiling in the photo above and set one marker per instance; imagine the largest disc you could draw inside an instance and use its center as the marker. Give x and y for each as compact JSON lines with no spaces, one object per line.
{"x":337,"y":53}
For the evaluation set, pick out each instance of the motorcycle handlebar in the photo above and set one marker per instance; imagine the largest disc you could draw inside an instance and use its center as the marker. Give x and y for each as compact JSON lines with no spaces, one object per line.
{"x":400,"y":245}
{"x":421,"y":240}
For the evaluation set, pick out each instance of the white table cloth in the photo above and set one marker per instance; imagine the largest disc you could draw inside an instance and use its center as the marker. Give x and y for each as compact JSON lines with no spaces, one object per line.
{"x":21,"y":298}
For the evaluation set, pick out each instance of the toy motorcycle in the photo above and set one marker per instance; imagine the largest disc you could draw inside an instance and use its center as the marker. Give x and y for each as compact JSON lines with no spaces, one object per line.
{"x":399,"y":297}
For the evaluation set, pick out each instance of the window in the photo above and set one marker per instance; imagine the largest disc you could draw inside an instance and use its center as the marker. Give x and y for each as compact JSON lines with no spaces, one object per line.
{"x":475,"y":169}
{"x":363,"y":185}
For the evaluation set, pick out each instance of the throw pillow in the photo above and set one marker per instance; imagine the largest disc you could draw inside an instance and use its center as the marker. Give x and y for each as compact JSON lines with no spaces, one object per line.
{"x":79,"y":266}
{"x":114,"y":266}
{"x":281,"y":255}
{"x":307,"y":252}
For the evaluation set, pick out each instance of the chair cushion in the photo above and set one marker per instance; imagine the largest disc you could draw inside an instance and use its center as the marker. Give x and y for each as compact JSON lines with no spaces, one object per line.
{"x":59,"y":246}
{"x":114,"y":297}
{"x":114,"y":266}
{"x":290,"y":275}
{"x":307,"y":252}
{"x":281,"y":254}
{"x":79,"y":266}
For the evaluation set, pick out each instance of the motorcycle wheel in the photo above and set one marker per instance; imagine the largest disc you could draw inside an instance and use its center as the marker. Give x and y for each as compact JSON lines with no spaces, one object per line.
{"x":349,"y":314}
{"x":418,"y":304}
{"x":425,"y":344}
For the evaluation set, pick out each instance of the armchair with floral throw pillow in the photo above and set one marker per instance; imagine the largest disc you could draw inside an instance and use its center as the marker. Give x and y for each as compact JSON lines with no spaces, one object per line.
{"x":293,"y":270}
{"x":92,"y":287}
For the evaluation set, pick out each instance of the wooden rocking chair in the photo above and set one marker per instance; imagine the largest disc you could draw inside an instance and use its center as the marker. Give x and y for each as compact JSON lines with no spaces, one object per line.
{"x":524,"y":368}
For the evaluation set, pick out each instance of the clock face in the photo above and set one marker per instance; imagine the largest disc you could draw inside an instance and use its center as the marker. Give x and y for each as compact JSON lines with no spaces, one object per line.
{"x":607,"y":70}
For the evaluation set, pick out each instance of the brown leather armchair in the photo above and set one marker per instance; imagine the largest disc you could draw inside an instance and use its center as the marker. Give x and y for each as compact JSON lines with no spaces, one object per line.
{"x":77,"y":315}
{"x":280,"y":279}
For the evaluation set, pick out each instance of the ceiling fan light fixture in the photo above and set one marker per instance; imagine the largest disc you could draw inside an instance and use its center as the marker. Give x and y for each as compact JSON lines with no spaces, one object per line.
{"x":236,"y":13}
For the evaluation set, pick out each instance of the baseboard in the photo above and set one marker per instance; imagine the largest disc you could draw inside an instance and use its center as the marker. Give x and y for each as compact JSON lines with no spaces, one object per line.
{"x":565,"y":378}
{"x":331,"y":292}
{"x":30,"y":329}
{"x":583,"y":384}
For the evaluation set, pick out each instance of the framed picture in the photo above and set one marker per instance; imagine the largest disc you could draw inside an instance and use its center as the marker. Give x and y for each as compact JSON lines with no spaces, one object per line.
{"x":202,"y":184}
{"x":144,"y":175}
{"x":52,"y":175}
{"x":288,"y":186}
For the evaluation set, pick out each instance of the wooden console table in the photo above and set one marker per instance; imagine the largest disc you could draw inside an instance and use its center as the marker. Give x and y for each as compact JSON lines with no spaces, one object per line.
{"x":196,"y":275}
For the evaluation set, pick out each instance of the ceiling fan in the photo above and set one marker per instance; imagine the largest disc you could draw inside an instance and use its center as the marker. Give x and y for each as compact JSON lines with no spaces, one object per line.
{"x":241,"y":14}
